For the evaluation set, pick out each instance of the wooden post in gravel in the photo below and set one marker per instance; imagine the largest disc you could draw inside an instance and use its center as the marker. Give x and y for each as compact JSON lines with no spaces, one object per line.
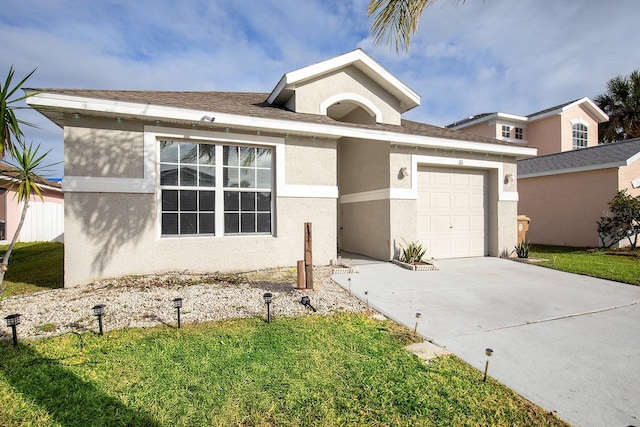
{"x":301,"y":279}
{"x":308,"y":256}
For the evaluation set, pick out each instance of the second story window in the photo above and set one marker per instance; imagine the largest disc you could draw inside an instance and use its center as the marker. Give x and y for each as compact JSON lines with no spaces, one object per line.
{"x":506,"y":131}
{"x":519,"y":133}
{"x":579,"y":136}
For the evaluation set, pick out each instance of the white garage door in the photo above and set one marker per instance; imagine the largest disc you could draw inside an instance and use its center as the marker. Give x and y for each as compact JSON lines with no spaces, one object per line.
{"x":452,"y":212}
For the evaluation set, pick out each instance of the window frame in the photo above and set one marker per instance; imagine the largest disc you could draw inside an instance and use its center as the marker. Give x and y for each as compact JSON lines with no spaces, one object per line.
{"x":506,"y":131}
{"x":579,"y":136}
{"x":518,"y":133}
{"x":218,"y":187}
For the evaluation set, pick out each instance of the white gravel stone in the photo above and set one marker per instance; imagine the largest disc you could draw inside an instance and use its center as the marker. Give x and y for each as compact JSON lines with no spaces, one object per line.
{"x":146,"y":301}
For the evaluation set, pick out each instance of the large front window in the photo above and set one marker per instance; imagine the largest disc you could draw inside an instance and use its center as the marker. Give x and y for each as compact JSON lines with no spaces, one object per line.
{"x":212,"y":189}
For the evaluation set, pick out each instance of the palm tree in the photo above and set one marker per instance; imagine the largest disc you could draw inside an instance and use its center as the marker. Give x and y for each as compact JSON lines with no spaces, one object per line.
{"x":23,"y":178}
{"x":10,"y":125}
{"x":622,"y":103}
{"x":396,"y":21}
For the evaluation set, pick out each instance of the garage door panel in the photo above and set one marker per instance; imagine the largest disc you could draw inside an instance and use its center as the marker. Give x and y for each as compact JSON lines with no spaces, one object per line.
{"x":441,"y":201}
{"x":461,"y":202}
{"x":460,"y":224}
{"x":452,"y":217}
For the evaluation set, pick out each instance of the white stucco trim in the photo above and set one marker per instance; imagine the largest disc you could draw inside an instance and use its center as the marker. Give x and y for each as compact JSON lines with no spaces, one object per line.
{"x":579,"y":120}
{"x":92,"y":184}
{"x":365,"y":103}
{"x":358,"y":58}
{"x":636,"y":183}
{"x":412,"y":193}
{"x":147,"y":184}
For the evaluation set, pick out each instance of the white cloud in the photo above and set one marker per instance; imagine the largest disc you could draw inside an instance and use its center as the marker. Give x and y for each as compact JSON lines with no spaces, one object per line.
{"x":467,"y":58}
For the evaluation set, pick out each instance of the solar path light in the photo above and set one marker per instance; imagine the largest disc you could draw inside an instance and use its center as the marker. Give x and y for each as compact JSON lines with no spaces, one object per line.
{"x":415,"y":330}
{"x":177,"y":304}
{"x":489,"y":353}
{"x":267,"y":300}
{"x":98,"y":311}
{"x":307,"y":303}
{"x":13,"y":320}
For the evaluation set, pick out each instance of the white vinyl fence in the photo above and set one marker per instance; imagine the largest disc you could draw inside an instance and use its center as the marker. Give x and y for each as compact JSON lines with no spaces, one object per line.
{"x":44,"y":223}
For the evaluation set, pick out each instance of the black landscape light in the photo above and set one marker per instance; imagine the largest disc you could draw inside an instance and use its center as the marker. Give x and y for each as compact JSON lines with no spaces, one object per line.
{"x":13,"y":320}
{"x":489,"y":353}
{"x":177,"y":304}
{"x":415,"y":330}
{"x":98,"y":311}
{"x":307,"y":303}
{"x":267,"y":300}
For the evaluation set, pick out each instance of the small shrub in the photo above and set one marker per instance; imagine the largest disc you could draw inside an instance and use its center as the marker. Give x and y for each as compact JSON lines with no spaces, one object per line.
{"x":411,"y":252}
{"x":522,"y":249}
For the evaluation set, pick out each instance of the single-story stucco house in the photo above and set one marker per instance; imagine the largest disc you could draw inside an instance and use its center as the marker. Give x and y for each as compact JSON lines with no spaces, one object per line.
{"x":220,"y":181}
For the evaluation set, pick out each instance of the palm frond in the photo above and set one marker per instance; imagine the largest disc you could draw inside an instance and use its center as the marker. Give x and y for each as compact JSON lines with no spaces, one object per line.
{"x":395,"y":22}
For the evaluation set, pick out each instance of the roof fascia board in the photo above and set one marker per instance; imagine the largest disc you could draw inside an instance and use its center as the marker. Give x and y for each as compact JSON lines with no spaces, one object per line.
{"x":633,"y":158}
{"x":336,"y":63}
{"x":153,"y":112}
{"x":573,"y":170}
{"x":599,"y":115}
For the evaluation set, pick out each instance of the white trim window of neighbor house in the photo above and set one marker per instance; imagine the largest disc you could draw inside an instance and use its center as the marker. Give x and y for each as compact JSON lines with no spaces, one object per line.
{"x":506,"y":131}
{"x":209,"y":189}
{"x":579,"y":136}
{"x":519,"y":134}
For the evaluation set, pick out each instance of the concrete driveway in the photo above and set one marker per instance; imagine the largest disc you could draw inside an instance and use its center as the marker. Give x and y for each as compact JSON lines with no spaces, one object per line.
{"x":568,"y":343}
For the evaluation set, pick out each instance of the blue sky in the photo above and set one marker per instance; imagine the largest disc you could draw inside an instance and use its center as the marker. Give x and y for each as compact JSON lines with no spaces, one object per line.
{"x":515,"y":56}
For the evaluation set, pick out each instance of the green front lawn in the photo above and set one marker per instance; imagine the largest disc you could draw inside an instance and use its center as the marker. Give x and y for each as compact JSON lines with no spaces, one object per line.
{"x":33,"y":267}
{"x":340,"y":370}
{"x":621,"y":265}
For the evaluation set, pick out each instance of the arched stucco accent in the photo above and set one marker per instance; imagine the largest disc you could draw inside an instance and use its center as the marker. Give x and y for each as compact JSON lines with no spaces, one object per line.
{"x":579,"y":120}
{"x":363,"y":102}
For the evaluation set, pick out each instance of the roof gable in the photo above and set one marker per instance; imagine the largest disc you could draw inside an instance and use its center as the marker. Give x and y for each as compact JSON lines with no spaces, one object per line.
{"x":587,"y":104}
{"x":358,"y":58}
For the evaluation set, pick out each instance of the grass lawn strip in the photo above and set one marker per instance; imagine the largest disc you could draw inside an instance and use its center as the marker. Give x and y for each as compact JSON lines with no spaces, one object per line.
{"x":620,"y":266}
{"x":335,"y":370}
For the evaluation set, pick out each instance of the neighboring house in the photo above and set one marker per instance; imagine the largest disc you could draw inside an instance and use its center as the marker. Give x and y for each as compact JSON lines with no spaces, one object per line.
{"x":565,"y":194}
{"x":45,"y":217}
{"x":204,"y":181}
{"x":567,"y":189}
{"x":565,"y":127}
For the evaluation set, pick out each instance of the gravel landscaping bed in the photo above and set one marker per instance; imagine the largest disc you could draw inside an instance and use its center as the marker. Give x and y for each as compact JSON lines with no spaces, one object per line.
{"x":146,"y":301}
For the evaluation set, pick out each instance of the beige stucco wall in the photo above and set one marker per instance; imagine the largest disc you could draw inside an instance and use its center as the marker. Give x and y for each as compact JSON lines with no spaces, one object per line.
{"x":103,"y":147}
{"x":567,"y":128}
{"x":363,"y":165}
{"x":310,"y":161}
{"x":115,"y":234}
{"x":111,"y":235}
{"x":365,"y":168}
{"x":628,"y":173}
{"x":311,"y":94}
{"x":564,"y":208}
{"x":365,"y":228}
{"x":544,"y":134}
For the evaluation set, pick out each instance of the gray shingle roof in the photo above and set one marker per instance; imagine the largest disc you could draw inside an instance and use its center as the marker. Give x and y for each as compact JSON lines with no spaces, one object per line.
{"x":556,"y":107}
{"x":253,"y":104}
{"x":599,"y":157}
{"x":469,"y":119}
